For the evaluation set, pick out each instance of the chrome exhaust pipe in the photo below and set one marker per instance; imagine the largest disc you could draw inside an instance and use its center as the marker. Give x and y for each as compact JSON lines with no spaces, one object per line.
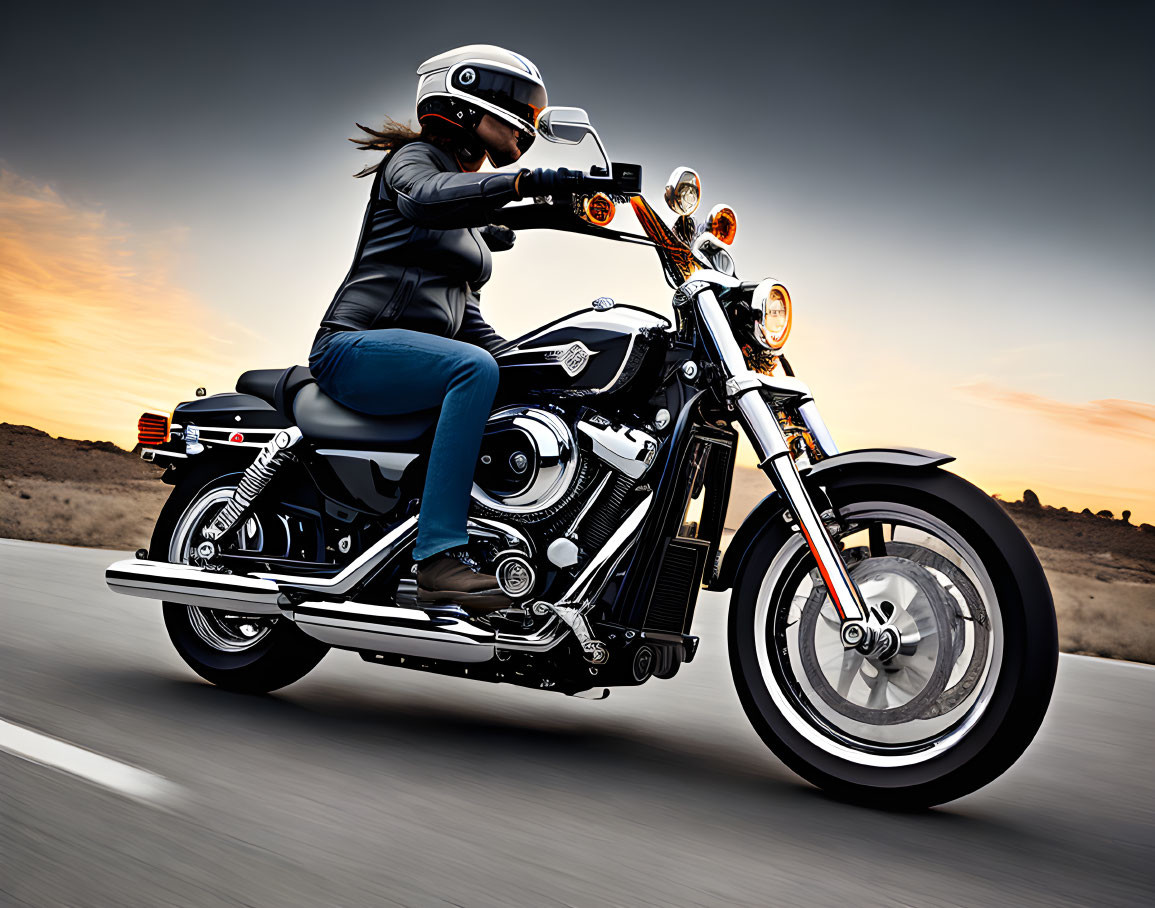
{"x":433,"y":634}
{"x":249,"y":594}
{"x":391,"y":629}
{"x":190,"y":585}
{"x":362,"y":626}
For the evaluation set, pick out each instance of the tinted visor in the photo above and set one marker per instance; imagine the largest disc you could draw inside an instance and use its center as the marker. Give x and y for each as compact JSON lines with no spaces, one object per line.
{"x":523,"y":98}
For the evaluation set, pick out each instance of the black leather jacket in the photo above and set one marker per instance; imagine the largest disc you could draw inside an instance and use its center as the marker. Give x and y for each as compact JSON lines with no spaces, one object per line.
{"x":420,"y":259}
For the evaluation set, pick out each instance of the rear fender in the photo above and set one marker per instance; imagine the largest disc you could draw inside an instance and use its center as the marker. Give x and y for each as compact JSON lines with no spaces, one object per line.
{"x":231,"y":427}
{"x":770,"y":508}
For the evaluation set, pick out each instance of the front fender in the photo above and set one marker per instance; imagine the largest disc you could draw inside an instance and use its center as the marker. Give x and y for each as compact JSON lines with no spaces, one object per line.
{"x":770,"y":507}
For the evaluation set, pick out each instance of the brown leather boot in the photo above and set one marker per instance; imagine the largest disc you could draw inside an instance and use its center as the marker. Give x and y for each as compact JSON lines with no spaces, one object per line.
{"x":451,"y":577}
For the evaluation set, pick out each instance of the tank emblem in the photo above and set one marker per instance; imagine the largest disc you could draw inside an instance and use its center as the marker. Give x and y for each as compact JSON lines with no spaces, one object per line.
{"x":602,"y":303}
{"x":571,"y":357}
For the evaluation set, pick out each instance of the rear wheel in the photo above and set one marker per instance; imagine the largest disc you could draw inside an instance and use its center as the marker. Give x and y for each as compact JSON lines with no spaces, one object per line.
{"x":244,"y":653}
{"x":960,"y":693}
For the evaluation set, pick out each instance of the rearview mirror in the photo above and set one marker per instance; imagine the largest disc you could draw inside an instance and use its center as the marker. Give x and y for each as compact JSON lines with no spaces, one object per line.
{"x":564,"y":125}
{"x":568,"y":126}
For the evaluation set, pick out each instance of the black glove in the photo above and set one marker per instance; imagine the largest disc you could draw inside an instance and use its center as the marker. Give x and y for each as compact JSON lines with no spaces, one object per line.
{"x":556,"y":183}
{"x":497,"y":237}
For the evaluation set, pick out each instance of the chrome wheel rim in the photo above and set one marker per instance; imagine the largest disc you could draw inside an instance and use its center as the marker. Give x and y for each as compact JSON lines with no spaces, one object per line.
{"x":829,"y":702}
{"x":223,"y":631}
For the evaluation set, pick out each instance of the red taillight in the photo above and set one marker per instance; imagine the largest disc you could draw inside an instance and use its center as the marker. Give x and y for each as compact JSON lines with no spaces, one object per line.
{"x":152,"y":428}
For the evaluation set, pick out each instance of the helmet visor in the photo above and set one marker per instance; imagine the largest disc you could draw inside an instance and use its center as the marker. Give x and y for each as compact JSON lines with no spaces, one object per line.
{"x":523,"y":98}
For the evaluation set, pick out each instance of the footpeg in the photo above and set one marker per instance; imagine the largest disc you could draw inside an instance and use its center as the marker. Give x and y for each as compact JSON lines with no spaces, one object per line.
{"x":594,"y":650}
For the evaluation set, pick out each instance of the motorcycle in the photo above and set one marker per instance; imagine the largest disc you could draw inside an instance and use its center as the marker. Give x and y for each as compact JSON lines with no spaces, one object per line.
{"x":891,"y":633}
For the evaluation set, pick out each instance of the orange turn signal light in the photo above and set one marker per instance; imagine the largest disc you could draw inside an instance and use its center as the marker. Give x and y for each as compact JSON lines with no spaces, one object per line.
{"x":599,"y":209}
{"x":722,"y":223}
{"x":152,"y":428}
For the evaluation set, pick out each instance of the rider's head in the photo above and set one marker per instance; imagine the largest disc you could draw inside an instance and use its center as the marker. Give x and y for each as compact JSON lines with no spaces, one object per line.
{"x":481,"y":100}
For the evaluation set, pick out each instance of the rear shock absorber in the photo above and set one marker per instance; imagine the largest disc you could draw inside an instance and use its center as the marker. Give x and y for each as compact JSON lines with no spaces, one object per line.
{"x":254,"y":481}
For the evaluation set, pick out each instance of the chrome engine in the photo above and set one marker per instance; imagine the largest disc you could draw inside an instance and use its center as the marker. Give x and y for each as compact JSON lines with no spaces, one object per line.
{"x":565,"y":488}
{"x":529,"y":463}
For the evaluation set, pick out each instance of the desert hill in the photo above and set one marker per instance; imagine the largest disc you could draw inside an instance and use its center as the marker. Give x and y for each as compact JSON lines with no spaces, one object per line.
{"x":92,"y":493}
{"x":27,"y":452}
{"x":75,"y":492}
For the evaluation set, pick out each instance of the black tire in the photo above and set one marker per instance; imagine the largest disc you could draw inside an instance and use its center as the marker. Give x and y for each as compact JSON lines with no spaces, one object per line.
{"x":1012,"y":699}
{"x":282,"y":655}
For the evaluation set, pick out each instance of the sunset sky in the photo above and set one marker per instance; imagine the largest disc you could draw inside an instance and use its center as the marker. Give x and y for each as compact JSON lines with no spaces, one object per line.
{"x":959,"y":195}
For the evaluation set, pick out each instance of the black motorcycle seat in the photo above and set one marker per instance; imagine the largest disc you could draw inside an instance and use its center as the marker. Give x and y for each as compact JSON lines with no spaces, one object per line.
{"x":320,"y":418}
{"x":260,"y":383}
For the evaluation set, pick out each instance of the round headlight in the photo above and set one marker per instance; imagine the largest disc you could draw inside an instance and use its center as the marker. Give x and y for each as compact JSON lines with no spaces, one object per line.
{"x":772,"y":314}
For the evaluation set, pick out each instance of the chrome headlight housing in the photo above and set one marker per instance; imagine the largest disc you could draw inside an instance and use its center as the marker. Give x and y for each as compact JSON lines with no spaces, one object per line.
{"x":683,"y":191}
{"x":773,"y":313}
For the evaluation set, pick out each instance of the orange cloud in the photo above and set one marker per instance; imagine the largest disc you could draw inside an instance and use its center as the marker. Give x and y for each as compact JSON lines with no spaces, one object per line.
{"x":92,"y":328}
{"x":1123,"y":418}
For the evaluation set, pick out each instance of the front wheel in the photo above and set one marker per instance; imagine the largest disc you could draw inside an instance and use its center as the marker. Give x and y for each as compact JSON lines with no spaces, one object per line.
{"x":251,"y":654}
{"x":962,"y":691}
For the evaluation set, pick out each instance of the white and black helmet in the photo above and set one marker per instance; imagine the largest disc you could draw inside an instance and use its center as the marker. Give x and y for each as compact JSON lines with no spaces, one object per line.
{"x":463,"y":84}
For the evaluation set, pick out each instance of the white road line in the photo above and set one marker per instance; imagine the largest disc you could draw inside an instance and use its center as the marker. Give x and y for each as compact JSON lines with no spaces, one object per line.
{"x":134,"y":783}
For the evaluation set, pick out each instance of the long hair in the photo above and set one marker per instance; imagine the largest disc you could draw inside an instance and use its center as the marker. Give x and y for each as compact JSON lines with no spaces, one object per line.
{"x":388,"y":138}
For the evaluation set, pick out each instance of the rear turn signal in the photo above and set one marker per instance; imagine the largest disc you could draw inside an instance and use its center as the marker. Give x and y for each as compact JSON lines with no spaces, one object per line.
{"x":152,"y":428}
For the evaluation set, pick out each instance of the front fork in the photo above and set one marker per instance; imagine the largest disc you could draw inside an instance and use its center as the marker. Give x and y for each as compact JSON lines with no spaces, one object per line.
{"x":743,"y":389}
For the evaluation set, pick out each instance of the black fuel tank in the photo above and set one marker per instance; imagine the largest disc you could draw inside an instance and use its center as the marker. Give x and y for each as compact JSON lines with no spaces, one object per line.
{"x":583,"y":354}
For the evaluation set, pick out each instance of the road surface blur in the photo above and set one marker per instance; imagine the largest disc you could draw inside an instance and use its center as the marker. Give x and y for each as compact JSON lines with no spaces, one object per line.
{"x":364,"y":785}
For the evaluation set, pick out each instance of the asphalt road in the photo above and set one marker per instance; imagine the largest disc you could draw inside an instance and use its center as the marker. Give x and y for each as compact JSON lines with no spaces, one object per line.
{"x":364,"y":785}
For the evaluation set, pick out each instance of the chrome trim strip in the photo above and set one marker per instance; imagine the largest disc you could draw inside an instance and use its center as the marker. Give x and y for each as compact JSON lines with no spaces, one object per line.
{"x":242,"y":429}
{"x":590,"y":502}
{"x":374,"y":557}
{"x":595,"y":575}
{"x":151,"y":454}
{"x":780,"y":386}
{"x":227,"y":431}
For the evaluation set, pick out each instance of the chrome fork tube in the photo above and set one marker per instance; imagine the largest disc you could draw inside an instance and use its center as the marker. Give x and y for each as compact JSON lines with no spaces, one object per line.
{"x":814,"y":422}
{"x":761,"y":425}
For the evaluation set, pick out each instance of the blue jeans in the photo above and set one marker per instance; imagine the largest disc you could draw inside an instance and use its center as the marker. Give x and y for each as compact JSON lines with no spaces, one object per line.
{"x":389,"y":371}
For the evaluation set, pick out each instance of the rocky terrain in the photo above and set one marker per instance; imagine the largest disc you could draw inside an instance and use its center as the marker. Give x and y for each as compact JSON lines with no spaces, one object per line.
{"x":92,"y":493}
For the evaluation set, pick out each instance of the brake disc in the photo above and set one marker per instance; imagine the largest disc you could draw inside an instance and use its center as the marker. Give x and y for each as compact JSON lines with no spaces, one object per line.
{"x":899,"y":594}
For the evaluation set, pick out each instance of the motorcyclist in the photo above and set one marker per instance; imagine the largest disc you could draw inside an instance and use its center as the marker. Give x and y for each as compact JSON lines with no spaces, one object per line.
{"x":404,"y":331}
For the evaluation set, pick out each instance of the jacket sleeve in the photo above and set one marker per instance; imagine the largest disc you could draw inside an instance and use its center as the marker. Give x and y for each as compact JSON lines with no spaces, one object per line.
{"x":431,"y":196}
{"x":477,"y":331}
